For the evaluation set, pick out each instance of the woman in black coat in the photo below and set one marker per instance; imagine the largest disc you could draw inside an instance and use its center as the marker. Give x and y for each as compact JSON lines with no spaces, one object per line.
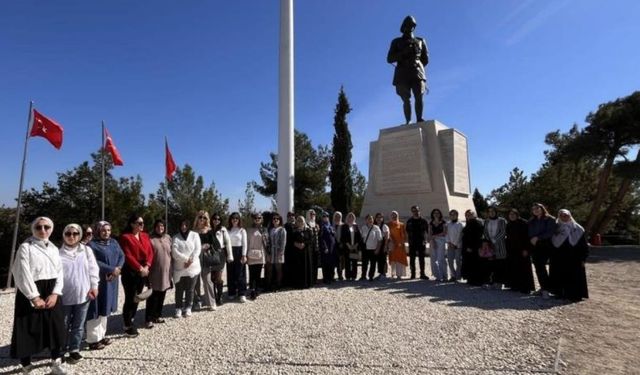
{"x":567,"y":261}
{"x":520,"y":275}
{"x":471,"y":242}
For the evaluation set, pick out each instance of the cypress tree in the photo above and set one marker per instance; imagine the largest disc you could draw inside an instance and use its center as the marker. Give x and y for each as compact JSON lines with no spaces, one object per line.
{"x":340,"y":173}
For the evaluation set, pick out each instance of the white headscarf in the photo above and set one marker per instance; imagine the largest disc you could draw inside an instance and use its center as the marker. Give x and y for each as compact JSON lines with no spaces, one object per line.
{"x":571,"y":230}
{"x":34,"y":231}
{"x":311,"y":222}
{"x":76,"y":227}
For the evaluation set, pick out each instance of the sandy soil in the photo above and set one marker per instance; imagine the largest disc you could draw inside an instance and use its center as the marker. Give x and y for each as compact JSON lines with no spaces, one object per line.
{"x":602,"y":335}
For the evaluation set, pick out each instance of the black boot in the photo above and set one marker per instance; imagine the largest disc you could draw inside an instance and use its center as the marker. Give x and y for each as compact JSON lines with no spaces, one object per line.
{"x":218,"y":294}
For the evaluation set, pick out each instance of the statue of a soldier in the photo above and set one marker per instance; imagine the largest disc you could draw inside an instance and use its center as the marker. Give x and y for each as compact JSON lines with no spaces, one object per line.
{"x":411,"y":56}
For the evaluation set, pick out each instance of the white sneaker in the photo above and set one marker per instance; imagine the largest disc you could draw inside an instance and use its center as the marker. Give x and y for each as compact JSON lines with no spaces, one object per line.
{"x":243,"y":299}
{"x":187,"y":313}
{"x":26,"y":369}
{"x":214,"y":307}
{"x":178,"y":313}
{"x":57,"y":369}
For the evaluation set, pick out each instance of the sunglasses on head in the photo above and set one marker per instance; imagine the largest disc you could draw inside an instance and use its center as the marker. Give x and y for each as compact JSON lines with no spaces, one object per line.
{"x":69,"y":234}
{"x":41,"y":227}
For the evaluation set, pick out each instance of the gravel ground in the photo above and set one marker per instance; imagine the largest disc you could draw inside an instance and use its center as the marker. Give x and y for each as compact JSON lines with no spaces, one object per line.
{"x":407,"y":326}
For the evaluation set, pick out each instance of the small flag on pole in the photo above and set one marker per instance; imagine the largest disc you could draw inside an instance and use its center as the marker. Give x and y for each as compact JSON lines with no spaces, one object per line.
{"x":42,"y":126}
{"x":168,"y":160}
{"x":110,"y":147}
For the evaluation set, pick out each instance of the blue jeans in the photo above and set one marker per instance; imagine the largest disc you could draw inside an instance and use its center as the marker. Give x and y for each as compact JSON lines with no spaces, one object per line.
{"x":74,"y":317}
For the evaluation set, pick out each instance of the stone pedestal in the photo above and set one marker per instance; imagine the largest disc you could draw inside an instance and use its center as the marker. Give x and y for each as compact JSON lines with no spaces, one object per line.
{"x":424,"y":164}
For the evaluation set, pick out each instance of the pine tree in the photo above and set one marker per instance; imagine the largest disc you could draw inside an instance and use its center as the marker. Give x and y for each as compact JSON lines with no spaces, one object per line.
{"x":340,"y":174}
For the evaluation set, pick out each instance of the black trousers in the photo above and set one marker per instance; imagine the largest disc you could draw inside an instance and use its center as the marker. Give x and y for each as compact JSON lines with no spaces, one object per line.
{"x":352,"y":269}
{"x":368,"y":258}
{"x":381,"y":259}
{"x":132,"y":283}
{"x":255,"y":271}
{"x":154,"y":305}
{"x":236,"y":274}
{"x":541,"y":254}
{"x":419,"y":251}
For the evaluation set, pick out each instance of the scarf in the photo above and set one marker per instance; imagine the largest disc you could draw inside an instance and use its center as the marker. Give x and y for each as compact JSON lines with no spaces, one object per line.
{"x":571,"y":230}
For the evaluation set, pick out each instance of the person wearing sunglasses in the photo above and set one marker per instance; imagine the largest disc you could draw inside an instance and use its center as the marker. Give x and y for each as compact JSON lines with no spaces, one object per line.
{"x":237,"y":269}
{"x":81,"y":277}
{"x":110,"y":259}
{"x":138,"y":255}
{"x":87,"y":234}
{"x":222,"y":236}
{"x":38,"y":323}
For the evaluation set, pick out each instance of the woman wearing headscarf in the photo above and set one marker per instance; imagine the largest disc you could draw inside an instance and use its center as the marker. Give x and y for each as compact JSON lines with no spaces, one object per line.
{"x":110,"y":259}
{"x":351,"y":240}
{"x":397,"y":253}
{"x":159,"y":274}
{"x":495,"y":230}
{"x":542,"y":226}
{"x":38,"y":321}
{"x":275,"y":256}
{"x":81,"y":277}
{"x":520,"y":276}
{"x":301,"y":262}
{"x":471,"y":243}
{"x":185,"y":251}
{"x":138,"y":254}
{"x":314,"y":229}
{"x":222,"y":237}
{"x":202,"y":226}
{"x":568,"y":259}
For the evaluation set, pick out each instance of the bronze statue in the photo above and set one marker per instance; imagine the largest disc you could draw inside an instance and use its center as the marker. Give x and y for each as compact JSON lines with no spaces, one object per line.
{"x":411,"y":56}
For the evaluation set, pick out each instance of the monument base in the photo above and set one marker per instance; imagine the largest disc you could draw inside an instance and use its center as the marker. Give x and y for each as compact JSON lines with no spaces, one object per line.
{"x":424,"y":164}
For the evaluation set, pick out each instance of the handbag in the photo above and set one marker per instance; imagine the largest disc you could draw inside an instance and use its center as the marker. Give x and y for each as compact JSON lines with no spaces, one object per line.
{"x":143,"y":295}
{"x":212,"y":258}
{"x":256,"y":255}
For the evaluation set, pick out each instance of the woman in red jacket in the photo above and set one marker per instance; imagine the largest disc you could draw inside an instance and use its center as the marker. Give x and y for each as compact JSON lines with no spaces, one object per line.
{"x":138,"y":254}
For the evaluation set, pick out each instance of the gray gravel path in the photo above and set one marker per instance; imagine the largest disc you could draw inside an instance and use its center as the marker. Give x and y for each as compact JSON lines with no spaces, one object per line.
{"x":395,"y":327}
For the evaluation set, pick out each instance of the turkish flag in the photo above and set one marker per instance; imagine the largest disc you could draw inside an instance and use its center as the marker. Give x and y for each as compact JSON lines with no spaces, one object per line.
{"x":42,"y":126}
{"x":168,"y":161}
{"x":111,"y":148}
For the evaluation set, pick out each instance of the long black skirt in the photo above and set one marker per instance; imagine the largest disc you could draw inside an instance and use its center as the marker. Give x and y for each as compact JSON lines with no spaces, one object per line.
{"x":36,"y":330}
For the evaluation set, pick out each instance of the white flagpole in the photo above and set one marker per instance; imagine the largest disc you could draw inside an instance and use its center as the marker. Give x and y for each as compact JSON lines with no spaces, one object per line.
{"x":166,"y":199}
{"x":19,"y":206}
{"x":286,"y":111}
{"x":102,"y":159}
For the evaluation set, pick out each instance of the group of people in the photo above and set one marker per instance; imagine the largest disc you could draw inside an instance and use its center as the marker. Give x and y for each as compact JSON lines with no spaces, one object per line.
{"x":60,"y":291}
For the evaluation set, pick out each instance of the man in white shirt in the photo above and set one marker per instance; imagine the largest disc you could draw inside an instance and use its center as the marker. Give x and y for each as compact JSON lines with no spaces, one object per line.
{"x":372,"y":240}
{"x":454,"y":245}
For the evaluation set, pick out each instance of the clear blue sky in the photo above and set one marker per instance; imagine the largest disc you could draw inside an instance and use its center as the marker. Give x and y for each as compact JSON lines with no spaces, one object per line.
{"x":205,"y":74}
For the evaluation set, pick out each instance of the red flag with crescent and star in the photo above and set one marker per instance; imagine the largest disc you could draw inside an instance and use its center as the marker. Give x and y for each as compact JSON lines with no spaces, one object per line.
{"x":110,"y":147}
{"x":168,"y":160}
{"x":42,"y":126}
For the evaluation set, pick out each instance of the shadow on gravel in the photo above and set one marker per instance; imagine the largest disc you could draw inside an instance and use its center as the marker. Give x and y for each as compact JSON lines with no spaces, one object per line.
{"x":456,"y":294}
{"x":600,"y":254}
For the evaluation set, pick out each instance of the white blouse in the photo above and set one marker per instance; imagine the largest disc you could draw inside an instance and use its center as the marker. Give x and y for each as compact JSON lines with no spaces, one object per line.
{"x":238,"y":237}
{"x":37,"y":260}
